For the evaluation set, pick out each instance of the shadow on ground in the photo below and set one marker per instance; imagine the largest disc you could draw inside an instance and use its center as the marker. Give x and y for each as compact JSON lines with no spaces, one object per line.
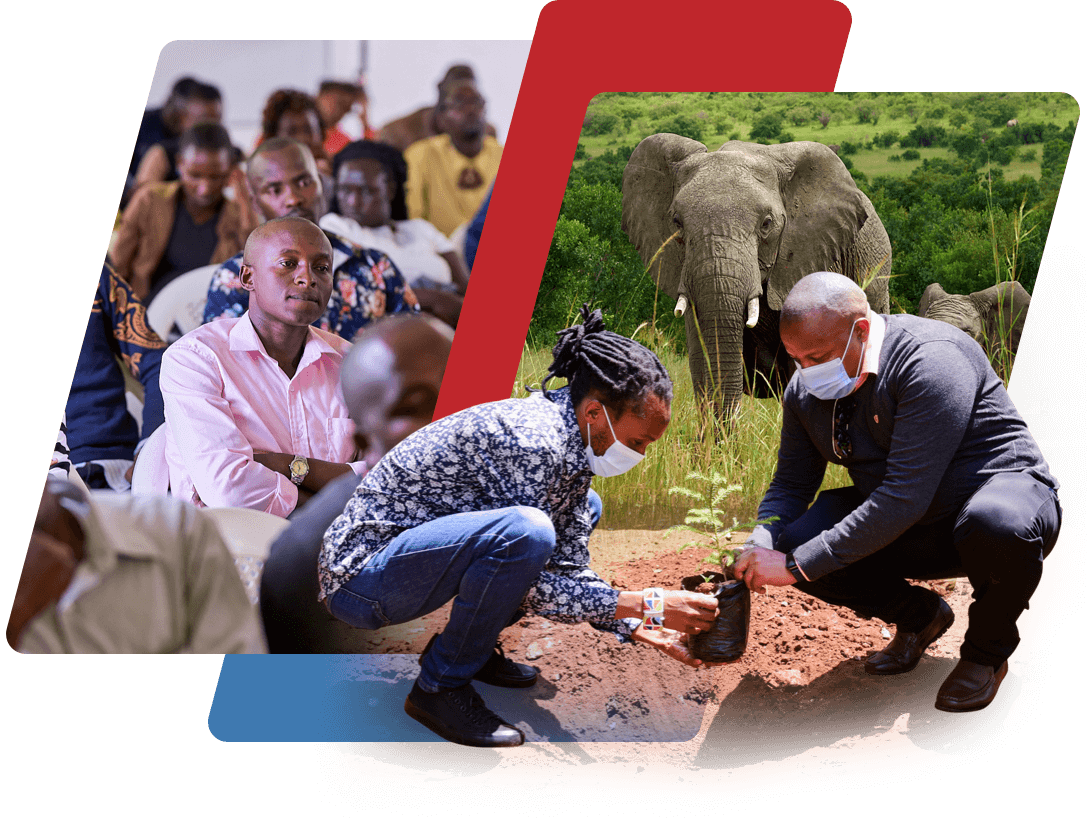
{"x":757,"y":722}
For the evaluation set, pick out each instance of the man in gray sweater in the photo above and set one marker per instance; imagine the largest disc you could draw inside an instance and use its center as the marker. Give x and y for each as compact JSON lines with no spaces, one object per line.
{"x":947,"y":482}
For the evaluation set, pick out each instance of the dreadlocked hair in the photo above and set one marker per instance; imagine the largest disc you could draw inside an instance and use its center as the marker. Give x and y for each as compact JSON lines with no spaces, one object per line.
{"x":620,"y":370}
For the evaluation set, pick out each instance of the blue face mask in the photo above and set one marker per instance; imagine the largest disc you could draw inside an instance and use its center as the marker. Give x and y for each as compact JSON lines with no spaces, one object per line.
{"x":829,"y":380}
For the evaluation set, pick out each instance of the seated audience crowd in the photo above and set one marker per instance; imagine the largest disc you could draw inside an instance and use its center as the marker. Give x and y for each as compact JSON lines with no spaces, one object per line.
{"x":262,"y":406}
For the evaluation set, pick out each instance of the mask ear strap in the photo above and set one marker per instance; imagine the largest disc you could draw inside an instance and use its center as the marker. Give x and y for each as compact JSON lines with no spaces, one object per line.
{"x":613,"y":431}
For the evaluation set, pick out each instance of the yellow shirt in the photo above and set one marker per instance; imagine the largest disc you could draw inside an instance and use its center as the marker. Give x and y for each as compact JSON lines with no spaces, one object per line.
{"x":445,"y":187}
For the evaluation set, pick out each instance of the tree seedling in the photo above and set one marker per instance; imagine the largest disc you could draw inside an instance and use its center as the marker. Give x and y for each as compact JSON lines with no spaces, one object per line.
{"x":706,"y":517}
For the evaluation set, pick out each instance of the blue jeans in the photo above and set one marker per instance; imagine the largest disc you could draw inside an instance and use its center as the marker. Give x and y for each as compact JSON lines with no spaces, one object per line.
{"x":484,"y":561}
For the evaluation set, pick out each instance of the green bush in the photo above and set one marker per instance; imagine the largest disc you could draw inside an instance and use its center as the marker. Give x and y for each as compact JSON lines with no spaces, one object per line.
{"x":925,"y":135}
{"x":867,"y":112}
{"x":799,"y":115}
{"x":599,"y":124}
{"x":683,"y":125}
{"x":592,"y":261}
{"x":766,"y":127}
{"x":911,"y":154}
{"x":886,"y":139}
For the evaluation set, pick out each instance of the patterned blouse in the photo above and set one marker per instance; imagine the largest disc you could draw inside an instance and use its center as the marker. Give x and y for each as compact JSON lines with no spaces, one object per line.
{"x":365,"y":286}
{"x":513,"y":452}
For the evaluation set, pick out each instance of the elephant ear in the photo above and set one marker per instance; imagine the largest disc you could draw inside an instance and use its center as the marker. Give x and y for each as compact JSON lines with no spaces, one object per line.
{"x":824,"y":212}
{"x":933,"y":293}
{"x":1002,"y":310}
{"x":650,"y":180}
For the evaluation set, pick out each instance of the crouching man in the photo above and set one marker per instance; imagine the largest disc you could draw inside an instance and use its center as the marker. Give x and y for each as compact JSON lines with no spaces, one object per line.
{"x":948,"y":482}
{"x":492,"y":508}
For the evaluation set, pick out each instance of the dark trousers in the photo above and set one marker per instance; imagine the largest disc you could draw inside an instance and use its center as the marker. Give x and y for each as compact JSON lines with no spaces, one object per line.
{"x":997,"y":541}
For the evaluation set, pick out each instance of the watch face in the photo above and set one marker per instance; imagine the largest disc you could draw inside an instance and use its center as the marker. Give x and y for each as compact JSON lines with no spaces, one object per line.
{"x":299,"y":467}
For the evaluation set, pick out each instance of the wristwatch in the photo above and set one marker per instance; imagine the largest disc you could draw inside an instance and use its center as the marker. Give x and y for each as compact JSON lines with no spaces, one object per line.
{"x":793,"y":569}
{"x":299,"y":469}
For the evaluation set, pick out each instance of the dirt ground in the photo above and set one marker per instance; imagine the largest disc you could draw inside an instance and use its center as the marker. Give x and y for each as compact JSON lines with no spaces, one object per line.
{"x":804,"y":660}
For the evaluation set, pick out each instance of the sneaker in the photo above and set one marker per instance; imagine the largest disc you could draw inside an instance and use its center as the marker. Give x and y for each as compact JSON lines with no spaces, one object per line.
{"x":499,"y":669}
{"x":460,"y":715}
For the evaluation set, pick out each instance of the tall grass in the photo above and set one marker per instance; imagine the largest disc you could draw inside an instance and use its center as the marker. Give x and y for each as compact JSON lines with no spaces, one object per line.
{"x":1000,"y":346}
{"x":744,"y":451}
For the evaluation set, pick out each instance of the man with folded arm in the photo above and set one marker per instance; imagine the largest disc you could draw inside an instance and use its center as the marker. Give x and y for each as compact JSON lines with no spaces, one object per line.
{"x":254,"y":413}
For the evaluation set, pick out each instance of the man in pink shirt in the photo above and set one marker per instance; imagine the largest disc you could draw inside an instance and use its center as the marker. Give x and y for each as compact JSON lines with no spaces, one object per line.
{"x":254,"y":413}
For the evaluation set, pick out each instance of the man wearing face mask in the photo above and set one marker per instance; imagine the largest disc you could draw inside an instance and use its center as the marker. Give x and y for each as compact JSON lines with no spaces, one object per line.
{"x":948,"y":482}
{"x":491,"y":507}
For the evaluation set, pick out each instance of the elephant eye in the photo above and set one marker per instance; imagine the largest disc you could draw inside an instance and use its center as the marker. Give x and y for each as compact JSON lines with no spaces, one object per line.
{"x":766,"y":226}
{"x":676,"y":221}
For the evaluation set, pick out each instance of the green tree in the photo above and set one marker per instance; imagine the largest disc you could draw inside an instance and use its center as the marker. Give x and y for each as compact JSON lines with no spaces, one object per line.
{"x":766,"y":127}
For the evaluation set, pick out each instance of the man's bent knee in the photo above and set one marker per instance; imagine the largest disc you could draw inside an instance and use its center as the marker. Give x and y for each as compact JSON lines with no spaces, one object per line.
{"x":530,"y":531}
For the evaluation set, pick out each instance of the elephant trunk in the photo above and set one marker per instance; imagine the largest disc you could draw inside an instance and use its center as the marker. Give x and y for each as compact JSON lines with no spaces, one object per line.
{"x":714,"y":337}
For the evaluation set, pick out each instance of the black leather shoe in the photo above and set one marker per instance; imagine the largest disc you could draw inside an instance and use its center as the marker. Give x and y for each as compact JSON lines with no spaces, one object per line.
{"x":459,"y":715}
{"x":905,"y":649}
{"x":500,"y":670}
{"x":970,"y":687}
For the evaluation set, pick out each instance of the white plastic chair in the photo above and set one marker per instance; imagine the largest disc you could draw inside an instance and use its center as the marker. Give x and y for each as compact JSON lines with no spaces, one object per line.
{"x":181,"y":302}
{"x":151,"y":476}
{"x":249,"y":535}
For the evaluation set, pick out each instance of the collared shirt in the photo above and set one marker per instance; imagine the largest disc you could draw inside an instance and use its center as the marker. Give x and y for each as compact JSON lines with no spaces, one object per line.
{"x":156,"y":577}
{"x":366,"y":285}
{"x":514,"y":452}
{"x":227,"y":398}
{"x":870,"y":362}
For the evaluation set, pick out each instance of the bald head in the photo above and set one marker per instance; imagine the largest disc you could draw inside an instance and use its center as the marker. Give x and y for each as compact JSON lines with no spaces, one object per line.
{"x":391,"y":378}
{"x":822,"y":294}
{"x":293,"y":226}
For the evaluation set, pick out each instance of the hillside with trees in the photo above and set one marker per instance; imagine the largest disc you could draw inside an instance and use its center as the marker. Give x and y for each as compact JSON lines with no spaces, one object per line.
{"x":965,"y":184}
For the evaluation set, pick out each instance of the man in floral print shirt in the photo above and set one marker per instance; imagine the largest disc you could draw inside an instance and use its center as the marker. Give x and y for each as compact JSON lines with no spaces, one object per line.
{"x":492,"y":507}
{"x":283,"y":181}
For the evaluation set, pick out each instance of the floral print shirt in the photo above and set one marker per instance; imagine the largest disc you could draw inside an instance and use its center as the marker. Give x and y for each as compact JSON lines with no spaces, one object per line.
{"x":365,"y":286}
{"x":513,"y":452}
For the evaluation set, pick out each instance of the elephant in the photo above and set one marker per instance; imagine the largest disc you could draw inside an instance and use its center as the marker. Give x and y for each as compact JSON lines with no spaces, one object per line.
{"x":749,"y":221}
{"x":994,"y":317}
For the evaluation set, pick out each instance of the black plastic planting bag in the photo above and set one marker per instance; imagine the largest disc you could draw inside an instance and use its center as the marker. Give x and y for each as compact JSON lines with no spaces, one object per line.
{"x":727,"y":639}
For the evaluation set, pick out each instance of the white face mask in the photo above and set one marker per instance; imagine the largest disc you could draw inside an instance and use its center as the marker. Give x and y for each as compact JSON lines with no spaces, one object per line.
{"x":829,"y":380}
{"x":616,"y":460}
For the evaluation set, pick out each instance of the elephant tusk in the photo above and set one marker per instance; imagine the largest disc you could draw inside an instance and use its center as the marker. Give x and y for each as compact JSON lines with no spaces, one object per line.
{"x":681,"y":306}
{"x":753,"y":313}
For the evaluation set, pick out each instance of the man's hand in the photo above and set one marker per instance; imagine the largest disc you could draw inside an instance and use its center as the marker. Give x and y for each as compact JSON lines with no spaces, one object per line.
{"x":685,"y":612}
{"x":762,"y":567}
{"x":689,"y":612}
{"x":669,"y":643}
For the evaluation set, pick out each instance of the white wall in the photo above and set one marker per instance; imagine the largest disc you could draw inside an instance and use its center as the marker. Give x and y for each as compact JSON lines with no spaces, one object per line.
{"x":400,"y":76}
